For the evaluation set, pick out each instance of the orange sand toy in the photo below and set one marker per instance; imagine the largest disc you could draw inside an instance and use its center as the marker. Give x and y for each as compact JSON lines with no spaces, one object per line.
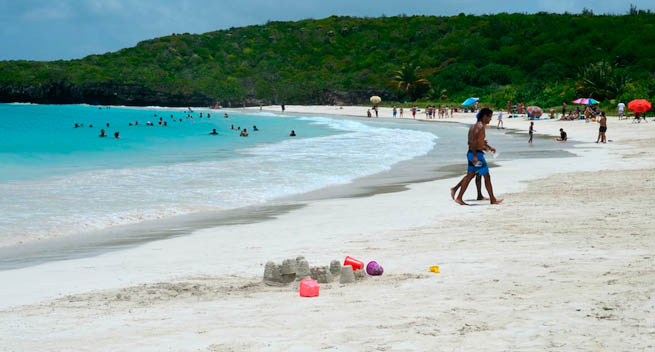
{"x":309,"y":288}
{"x":435,"y":269}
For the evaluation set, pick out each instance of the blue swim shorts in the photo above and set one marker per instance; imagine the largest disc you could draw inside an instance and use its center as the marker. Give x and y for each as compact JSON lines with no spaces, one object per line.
{"x":483,"y":169}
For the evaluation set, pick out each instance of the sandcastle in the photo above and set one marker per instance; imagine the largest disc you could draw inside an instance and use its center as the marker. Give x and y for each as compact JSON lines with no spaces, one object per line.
{"x":294,"y":270}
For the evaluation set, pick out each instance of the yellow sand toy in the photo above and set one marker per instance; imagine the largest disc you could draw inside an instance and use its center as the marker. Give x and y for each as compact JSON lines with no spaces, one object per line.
{"x":435,"y":269}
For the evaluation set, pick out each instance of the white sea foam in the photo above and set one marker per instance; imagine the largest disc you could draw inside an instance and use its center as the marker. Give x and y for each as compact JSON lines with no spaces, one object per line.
{"x":98,"y":199}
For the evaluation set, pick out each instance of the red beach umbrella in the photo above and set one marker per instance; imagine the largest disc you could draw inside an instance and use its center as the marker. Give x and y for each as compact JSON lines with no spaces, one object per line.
{"x":639,"y":105}
{"x":535,"y":111}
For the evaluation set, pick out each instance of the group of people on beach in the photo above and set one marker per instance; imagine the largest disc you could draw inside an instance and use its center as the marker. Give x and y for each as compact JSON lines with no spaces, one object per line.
{"x":477,"y":145}
{"x":431,"y":112}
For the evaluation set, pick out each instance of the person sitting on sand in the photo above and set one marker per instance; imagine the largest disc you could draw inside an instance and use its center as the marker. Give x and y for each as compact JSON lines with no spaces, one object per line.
{"x":636,"y":118}
{"x":102,"y":133}
{"x":213,"y":132}
{"x":292,"y":134}
{"x":244,"y":133}
{"x":562,"y":136}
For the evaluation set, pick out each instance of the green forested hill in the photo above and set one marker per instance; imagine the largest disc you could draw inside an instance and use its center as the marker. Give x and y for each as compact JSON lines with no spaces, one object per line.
{"x":539,"y":58}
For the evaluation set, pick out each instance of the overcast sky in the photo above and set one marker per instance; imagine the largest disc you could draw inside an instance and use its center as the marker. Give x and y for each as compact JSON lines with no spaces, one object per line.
{"x":66,"y":29}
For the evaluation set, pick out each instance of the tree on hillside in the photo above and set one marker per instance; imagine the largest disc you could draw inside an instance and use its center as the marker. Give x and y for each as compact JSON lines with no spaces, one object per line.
{"x":410,"y":82}
{"x":437,"y":93}
{"x":600,"y":81}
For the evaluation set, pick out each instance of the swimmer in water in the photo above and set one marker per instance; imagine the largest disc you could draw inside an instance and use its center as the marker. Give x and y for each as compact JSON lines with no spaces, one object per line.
{"x":292,"y":134}
{"x":254,"y":128}
{"x":102,"y":133}
{"x":77,"y":125}
{"x":244,"y":133}
{"x":116,"y":135}
{"x":213,"y":132}
{"x":226,"y":115}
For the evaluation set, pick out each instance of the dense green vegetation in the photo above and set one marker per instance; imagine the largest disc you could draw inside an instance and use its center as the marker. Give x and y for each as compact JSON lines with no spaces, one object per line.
{"x":539,"y":59}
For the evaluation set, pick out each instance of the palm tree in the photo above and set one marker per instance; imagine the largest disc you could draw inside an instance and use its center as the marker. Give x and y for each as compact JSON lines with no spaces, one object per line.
{"x":438,"y":93}
{"x":410,"y":82}
{"x":600,"y":81}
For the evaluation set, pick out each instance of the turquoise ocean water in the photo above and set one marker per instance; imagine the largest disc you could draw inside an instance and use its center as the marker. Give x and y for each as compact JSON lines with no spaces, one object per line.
{"x":57,"y":180}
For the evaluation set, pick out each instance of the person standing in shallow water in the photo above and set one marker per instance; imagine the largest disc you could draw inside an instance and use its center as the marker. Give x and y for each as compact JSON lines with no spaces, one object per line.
{"x":531,"y":132}
{"x":475,"y":157}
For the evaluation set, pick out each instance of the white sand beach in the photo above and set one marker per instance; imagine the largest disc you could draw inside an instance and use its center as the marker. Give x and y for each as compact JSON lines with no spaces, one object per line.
{"x":564,"y":264}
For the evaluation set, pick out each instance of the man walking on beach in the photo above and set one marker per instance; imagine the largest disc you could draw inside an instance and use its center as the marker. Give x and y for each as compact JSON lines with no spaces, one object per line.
{"x":475,"y":156}
{"x":621,"y":109}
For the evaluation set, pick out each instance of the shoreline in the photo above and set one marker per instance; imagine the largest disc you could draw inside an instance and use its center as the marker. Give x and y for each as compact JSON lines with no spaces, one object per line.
{"x":486,"y":292}
{"x":120,"y":237}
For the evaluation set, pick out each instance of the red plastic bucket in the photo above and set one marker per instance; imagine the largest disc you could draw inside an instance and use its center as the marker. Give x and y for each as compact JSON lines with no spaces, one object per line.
{"x":356,"y":264}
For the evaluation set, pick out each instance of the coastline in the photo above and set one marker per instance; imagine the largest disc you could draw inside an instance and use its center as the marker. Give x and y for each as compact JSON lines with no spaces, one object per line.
{"x":404,"y":231}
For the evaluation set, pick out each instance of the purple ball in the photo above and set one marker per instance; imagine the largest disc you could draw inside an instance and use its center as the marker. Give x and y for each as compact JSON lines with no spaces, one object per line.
{"x":374,"y":269}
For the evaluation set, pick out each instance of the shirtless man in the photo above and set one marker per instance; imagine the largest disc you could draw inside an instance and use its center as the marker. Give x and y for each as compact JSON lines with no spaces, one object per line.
{"x":602,"y":129}
{"x":477,"y":164}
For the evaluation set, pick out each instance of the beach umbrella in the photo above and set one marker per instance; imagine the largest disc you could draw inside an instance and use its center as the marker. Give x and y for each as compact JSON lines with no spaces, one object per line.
{"x":639,"y":105}
{"x":535,"y":111}
{"x":470,"y":101}
{"x":375,"y":99}
{"x":585,"y":101}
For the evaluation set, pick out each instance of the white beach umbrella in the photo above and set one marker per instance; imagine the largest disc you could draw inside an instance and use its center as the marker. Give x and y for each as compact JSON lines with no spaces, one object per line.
{"x":375,"y":99}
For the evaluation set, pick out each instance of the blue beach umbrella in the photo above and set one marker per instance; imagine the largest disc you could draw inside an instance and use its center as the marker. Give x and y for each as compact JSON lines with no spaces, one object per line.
{"x":470,"y":101}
